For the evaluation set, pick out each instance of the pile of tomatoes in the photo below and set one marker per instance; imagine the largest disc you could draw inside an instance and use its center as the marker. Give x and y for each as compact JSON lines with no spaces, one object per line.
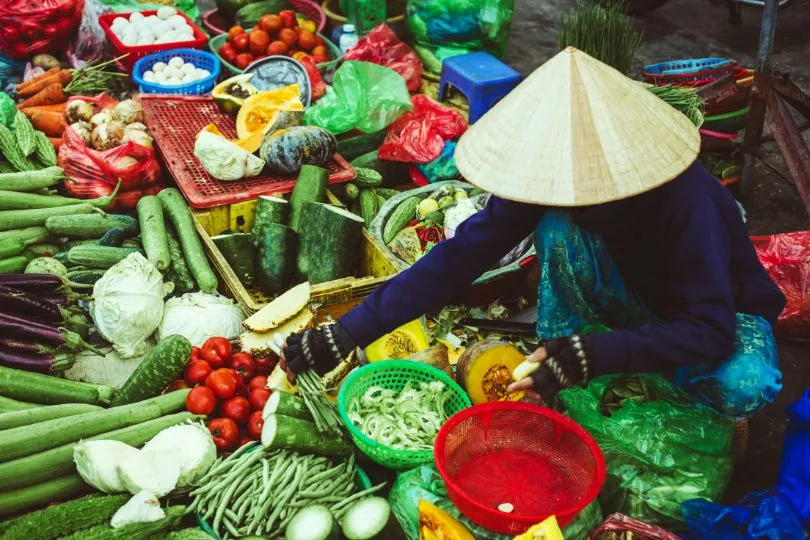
{"x":230,"y":387}
{"x":29,"y":27}
{"x":275,"y":35}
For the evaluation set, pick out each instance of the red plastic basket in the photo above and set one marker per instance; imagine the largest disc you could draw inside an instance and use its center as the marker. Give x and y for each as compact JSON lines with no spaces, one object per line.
{"x":126,"y":64}
{"x":174,"y":121}
{"x":218,"y":23}
{"x":531,"y":457}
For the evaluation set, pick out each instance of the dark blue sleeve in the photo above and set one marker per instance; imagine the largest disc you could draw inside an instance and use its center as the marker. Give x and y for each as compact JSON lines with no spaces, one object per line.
{"x":433,"y":281}
{"x":698,"y":282}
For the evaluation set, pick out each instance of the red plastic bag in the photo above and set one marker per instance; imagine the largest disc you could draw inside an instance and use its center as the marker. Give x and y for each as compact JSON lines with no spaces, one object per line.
{"x":29,"y":27}
{"x":786,"y":257}
{"x":418,"y":136}
{"x":315,"y":79}
{"x":382,"y":46}
{"x":620,"y":523}
{"x":87,"y":169}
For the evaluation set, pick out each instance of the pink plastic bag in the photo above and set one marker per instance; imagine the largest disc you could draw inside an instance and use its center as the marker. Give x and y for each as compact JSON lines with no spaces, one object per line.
{"x":418,"y":136}
{"x":620,"y":523}
{"x":786,"y":257}
{"x":29,"y":27}
{"x":382,"y":46}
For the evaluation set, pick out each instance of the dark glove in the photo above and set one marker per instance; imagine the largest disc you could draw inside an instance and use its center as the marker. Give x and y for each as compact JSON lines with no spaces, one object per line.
{"x":567,"y":364}
{"x":320,"y":349}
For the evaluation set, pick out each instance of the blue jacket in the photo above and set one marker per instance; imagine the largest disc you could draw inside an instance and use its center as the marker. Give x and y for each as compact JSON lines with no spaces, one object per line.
{"x":683,"y":246}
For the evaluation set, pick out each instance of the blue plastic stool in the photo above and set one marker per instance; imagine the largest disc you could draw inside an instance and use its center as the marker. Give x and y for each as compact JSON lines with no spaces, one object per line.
{"x":481,"y":77}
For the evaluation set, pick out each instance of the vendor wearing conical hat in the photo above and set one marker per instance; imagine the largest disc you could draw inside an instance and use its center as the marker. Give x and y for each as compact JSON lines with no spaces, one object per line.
{"x":630,"y":231}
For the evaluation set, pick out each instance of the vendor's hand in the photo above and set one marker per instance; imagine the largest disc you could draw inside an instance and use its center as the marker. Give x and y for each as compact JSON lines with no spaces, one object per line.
{"x":320,"y":349}
{"x":282,"y":361}
{"x":525,"y":384}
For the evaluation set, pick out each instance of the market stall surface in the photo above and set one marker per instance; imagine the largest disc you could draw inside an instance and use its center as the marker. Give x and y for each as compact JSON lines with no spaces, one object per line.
{"x":695,"y":28}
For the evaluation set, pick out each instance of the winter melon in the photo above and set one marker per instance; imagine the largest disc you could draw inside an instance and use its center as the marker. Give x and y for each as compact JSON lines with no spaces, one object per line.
{"x":485,"y":370}
{"x":401,"y":343}
{"x":436,"y":524}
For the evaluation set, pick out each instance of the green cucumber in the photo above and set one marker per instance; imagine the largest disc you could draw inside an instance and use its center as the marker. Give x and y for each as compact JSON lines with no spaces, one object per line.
{"x":399,"y":218}
{"x":329,"y":241}
{"x":269,"y":210}
{"x":35,"y":468}
{"x":287,"y":404}
{"x":28,"y":498}
{"x":33,"y":415}
{"x":161,"y":366}
{"x":314,"y":522}
{"x":86,"y":277}
{"x":29,"y":235}
{"x":91,"y":225}
{"x":8,"y":405}
{"x":393,"y":172}
{"x":368,"y":205}
{"x":60,"y":520}
{"x":286,"y":432}
{"x":13,"y":265}
{"x":354,"y":147}
{"x":47,"y":390}
{"x":276,"y":258}
{"x":153,"y":231}
{"x":16,"y":200}
{"x":240,"y":252}
{"x":386,"y":193}
{"x":28,"y":440}
{"x":31,"y":180}
{"x":178,"y":272}
{"x":16,"y":219}
{"x":310,"y":187}
{"x":175,"y":206}
{"x":96,"y":256}
{"x":113,"y":238}
{"x":9,"y":247}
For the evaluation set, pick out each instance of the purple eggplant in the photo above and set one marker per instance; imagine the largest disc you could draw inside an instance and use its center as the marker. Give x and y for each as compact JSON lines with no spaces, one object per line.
{"x":62,"y":299}
{"x":20,"y":328}
{"x":32,"y":282}
{"x":42,"y":363}
{"x":21,"y":303}
{"x":28,"y":347}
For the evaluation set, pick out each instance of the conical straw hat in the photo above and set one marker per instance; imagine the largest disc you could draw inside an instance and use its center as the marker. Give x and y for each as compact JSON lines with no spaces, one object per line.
{"x":576,"y":132}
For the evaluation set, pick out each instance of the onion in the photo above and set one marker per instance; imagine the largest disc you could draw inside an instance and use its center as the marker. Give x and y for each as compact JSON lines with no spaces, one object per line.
{"x":83,"y":130}
{"x":128,"y":111}
{"x":137,"y":126}
{"x":78,"y":110}
{"x":104,"y":117}
{"x":138,"y":137}
{"x":106,"y":136}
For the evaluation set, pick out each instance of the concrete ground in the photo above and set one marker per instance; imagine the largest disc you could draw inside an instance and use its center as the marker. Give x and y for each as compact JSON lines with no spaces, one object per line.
{"x":695,"y":29}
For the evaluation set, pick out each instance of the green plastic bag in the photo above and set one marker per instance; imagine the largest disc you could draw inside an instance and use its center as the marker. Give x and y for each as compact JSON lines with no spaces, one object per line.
{"x":660,"y":448}
{"x":424,"y":483}
{"x":445,"y":28}
{"x":7,"y":110}
{"x":189,"y":7}
{"x":363,"y":96}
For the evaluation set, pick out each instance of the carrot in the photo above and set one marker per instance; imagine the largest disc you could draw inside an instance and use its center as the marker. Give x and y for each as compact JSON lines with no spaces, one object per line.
{"x":59,"y":107}
{"x":61,"y":77}
{"x":51,"y":124}
{"x":32,"y":80}
{"x":56,"y":142}
{"x":50,"y":95}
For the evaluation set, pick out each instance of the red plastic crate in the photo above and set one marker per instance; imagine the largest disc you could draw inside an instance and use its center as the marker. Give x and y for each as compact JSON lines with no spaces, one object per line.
{"x":174,"y":122}
{"x":126,"y":64}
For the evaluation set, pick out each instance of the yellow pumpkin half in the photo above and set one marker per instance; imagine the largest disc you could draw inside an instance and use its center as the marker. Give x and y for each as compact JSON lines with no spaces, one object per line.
{"x":547,"y":530}
{"x":258,"y":114}
{"x":244,"y":144}
{"x":401,"y":343}
{"x":485,"y":370}
{"x":436,"y":524}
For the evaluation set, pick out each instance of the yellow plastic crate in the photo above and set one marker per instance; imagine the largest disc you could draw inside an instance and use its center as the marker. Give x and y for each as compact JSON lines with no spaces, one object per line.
{"x":339,"y":295}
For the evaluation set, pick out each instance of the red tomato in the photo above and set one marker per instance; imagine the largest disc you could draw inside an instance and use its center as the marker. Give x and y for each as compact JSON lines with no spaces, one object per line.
{"x":237,"y":409}
{"x":216,"y":351}
{"x":258,"y":397}
{"x":179,"y":384}
{"x":195,"y":354}
{"x":288,"y":18}
{"x":265,"y":364}
{"x":50,"y":32}
{"x":258,"y":40}
{"x":259,"y":381}
{"x":201,"y":400}
{"x":225,"y":433}
{"x":235,"y":31}
{"x":241,"y":387}
{"x":244,"y":438}
{"x":244,"y":365}
{"x":243,"y":60}
{"x":255,"y":424}
{"x":197,"y":371}
{"x":222,"y":382}
{"x":241,"y":43}
{"x":10,"y":34}
{"x":30,"y":30}
{"x":229,"y":56}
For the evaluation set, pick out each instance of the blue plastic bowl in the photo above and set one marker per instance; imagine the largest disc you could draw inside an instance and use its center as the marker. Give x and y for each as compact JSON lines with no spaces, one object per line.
{"x":200,"y":59}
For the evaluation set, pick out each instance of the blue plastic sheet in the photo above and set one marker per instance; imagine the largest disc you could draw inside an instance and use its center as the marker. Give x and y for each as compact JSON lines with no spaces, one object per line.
{"x":761,"y":515}
{"x":794,"y":474}
{"x":443,"y":167}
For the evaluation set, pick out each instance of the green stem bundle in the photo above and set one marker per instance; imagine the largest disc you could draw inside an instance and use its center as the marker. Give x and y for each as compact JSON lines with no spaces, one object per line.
{"x":323,"y":412}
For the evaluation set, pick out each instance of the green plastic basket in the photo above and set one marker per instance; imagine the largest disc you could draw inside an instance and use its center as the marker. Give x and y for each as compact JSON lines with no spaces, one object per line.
{"x":393,"y":375}
{"x":334,"y":52}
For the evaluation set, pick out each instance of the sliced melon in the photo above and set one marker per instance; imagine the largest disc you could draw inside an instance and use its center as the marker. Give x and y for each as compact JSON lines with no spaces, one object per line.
{"x":282,"y":309}
{"x":264,"y":343}
{"x":259,"y":113}
{"x":231,"y":93}
{"x":436,"y":524}
{"x":401,"y":343}
{"x":485,"y":370}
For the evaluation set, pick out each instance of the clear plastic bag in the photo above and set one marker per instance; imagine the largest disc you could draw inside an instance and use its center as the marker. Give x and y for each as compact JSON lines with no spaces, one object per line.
{"x":760,"y":515}
{"x":363,"y":96}
{"x":88,"y":45}
{"x":660,"y":448}
{"x":29,"y":27}
{"x":419,"y":136}
{"x":382,"y":46}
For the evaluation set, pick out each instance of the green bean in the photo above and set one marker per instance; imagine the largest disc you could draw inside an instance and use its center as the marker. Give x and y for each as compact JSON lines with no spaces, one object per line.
{"x":288,"y":475}
{"x":232,"y":529}
{"x":222,"y":505}
{"x":359,"y":495}
{"x":285,"y":496}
